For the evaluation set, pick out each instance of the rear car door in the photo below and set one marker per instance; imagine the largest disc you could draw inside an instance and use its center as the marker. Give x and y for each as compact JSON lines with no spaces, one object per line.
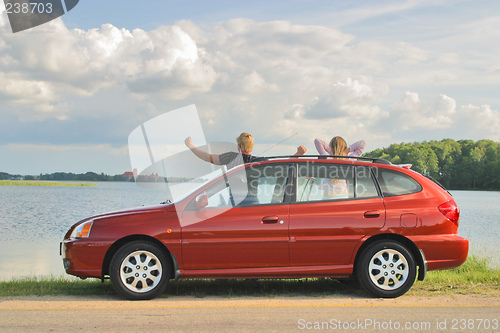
{"x":335,"y":205}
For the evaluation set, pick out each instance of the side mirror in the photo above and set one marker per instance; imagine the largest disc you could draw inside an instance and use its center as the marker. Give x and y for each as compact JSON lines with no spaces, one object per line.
{"x":201,"y":201}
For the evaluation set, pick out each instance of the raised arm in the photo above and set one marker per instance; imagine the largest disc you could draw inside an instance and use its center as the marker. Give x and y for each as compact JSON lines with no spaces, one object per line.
{"x":301,"y":150}
{"x":212,"y":158}
{"x":357,"y":148}
{"x":322,"y":147}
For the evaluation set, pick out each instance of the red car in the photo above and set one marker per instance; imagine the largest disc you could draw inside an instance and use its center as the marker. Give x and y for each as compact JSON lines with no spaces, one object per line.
{"x":293,"y":217}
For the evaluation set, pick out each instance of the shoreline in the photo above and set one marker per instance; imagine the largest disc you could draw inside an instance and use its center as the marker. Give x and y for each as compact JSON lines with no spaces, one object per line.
{"x":43,"y":183}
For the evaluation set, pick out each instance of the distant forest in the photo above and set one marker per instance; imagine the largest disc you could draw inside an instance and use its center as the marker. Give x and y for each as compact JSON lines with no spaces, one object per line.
{"x":93,"y":177}
{"x":68,"y":176}
{"x":458,"y":165}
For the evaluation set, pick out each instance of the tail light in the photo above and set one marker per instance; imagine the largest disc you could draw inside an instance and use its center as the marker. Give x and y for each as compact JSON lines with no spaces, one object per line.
{"x":450,"y":210}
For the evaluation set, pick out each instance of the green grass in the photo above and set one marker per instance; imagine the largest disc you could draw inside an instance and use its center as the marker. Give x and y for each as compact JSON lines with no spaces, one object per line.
{"x":54,"y":286}
{"x":40,"y":183}
{"x":475,"y":277}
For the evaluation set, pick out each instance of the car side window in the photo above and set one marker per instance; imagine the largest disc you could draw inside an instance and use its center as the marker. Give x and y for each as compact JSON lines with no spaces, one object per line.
{"x":218,"y":195}
{"x":324,"y":182}
{"x":365,"y":185}
{"x":394,"y":183}
{"x":258,"y":185}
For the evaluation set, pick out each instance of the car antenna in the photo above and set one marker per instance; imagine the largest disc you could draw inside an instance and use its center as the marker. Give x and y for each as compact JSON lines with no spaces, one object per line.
{"x":276,"y":144}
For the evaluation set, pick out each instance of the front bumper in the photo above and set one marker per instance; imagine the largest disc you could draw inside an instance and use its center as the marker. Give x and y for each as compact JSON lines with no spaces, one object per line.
{"x":83,"y":257}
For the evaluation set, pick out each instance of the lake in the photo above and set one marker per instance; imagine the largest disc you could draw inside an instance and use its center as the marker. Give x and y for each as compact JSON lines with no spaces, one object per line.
{"x":33,"y":220}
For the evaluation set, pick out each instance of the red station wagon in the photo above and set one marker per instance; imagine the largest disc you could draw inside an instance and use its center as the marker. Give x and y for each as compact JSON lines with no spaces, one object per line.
{"x":279,"y":217}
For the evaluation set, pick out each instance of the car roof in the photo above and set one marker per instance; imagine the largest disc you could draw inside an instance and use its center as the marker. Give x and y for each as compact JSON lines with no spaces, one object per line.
{"x":324,"y":157}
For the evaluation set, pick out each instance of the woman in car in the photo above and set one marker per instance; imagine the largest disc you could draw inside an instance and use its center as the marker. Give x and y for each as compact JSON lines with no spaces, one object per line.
{"x":335,"y":188}
{"x":338,"y":146}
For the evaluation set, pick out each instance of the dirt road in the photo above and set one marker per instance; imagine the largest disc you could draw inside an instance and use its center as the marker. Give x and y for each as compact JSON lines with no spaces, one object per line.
{"x":246,"y":314}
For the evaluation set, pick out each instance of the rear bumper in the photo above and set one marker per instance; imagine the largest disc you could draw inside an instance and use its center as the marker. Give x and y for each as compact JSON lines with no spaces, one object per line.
{"x":442,"y":251}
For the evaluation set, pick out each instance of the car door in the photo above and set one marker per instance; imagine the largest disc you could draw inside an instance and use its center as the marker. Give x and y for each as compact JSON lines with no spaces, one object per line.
{"x":244,"y":225}
{"x":335,"y":206}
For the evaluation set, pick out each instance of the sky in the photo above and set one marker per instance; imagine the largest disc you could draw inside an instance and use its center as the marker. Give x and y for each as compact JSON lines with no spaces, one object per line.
{"x":73,"y":90}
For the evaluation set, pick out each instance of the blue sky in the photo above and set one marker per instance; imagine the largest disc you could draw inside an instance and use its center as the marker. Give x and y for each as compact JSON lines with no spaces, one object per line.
{"x":72,"y":90}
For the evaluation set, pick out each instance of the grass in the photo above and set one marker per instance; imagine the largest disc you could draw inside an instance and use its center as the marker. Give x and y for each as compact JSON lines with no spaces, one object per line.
{"x":475,"y":277}
{"x":54,"y":286}
{"x":40,"y":183}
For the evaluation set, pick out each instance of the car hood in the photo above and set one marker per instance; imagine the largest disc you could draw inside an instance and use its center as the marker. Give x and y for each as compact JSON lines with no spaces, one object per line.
{"x":130,"y":211}
{"x":138,"y":210}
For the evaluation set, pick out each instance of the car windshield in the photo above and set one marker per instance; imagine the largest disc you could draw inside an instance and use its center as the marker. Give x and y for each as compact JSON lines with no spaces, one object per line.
{"x":179,"y":191}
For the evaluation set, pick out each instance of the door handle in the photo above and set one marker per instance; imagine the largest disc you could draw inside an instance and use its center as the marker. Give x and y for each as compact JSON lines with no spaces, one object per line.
{"x":372,"y":214}
{"x":270,"y":219}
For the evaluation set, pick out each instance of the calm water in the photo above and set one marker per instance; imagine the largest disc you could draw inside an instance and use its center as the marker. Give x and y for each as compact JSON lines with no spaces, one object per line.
{"x":33,"y":220}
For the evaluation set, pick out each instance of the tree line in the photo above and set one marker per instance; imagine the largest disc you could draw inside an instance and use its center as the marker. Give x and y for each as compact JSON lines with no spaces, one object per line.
{"x":458,"y":165}
{"x":88,"y":176}
{"x":68,"y":176}
{"x":94,"y":177}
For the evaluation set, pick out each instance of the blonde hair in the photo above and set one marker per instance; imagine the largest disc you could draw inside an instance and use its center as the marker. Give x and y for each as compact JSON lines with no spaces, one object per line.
{"x":245,"y":141}
{"x":338,"y":146}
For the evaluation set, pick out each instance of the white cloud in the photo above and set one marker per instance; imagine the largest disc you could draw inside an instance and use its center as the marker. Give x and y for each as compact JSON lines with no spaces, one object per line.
{"x":272,"y":70}
{"x":35,"y":99}
{"x":74,"y":62}
{"x":479,"y":122}
{"x":412,"y":113}
{"x":418,"y":118}
{"x":272,"y":79}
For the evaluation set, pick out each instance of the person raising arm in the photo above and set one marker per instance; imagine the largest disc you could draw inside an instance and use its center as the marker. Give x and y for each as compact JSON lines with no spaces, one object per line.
{"x":338,"y":146}
{"x":212,"y":158}
{"x":245,"y":146}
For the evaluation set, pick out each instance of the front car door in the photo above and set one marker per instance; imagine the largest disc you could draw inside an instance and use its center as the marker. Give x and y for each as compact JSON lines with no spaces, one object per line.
{"x":244,"y":225}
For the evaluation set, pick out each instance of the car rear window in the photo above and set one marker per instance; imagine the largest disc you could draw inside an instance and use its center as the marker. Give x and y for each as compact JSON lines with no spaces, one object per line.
{"x":394,"y":183}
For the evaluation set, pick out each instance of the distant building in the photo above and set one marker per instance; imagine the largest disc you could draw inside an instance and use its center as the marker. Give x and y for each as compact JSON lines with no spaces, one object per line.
{"x":128,"y":175}
{"x":154,"y":177}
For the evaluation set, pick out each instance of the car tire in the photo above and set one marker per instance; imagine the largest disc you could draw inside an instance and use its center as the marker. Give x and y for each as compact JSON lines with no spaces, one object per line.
{"x":139,"y":270}
{"x":386,"y":269}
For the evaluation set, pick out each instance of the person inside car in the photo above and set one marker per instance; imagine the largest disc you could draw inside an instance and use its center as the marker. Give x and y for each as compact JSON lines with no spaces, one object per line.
{"x":245,"y":146}
{"x":335,"y":188}
{"x":338,"y":146}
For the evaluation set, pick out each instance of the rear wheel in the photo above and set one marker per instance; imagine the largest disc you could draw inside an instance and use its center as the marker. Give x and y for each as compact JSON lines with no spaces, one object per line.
{"x":139,"y":270}
{"x":386,"y":269}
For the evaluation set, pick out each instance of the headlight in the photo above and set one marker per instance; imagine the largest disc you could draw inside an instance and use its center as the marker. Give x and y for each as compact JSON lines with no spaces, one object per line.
{"x":83,"y":230}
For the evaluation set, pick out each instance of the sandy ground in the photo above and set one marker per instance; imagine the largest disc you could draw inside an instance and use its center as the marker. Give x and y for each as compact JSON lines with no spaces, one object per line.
{"x":250,"y":314}
{"x":98,"y":302}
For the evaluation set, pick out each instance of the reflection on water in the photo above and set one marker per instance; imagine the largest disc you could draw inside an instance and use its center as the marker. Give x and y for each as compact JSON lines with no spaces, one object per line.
{"x":480,"y":222}
{"x":33,"y":220}
{"x":22,"y":259}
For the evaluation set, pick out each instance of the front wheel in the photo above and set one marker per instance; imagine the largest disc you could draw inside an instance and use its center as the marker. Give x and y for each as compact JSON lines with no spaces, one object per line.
{"x":139,"y":270}
{"x":386,"y":269}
